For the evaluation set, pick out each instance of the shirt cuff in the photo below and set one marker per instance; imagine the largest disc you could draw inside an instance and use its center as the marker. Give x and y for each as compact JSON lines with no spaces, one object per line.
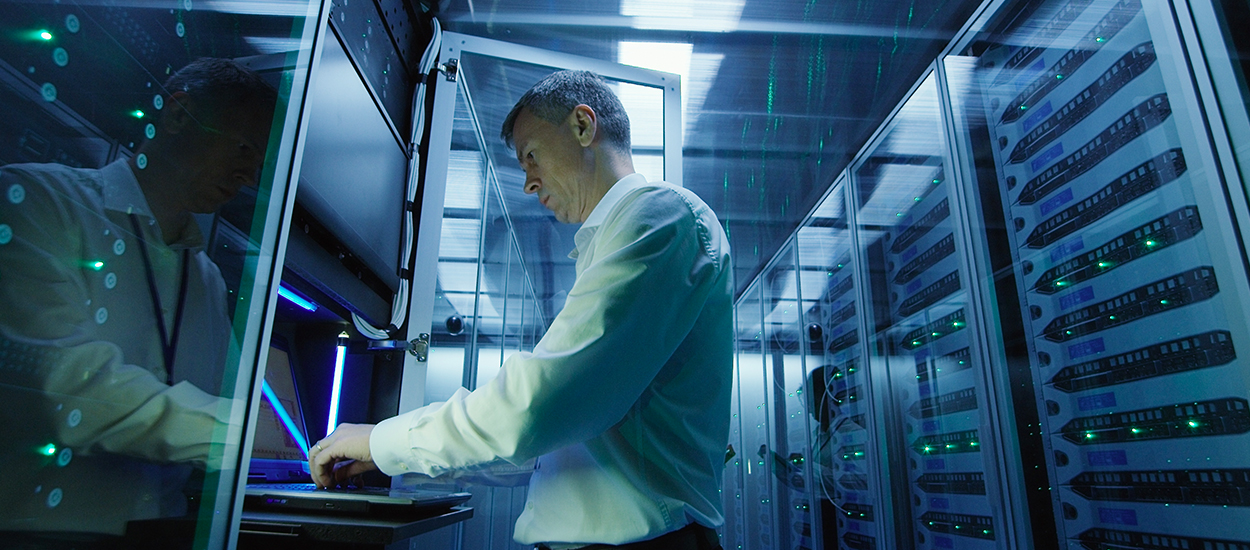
{"x":388,"y":443}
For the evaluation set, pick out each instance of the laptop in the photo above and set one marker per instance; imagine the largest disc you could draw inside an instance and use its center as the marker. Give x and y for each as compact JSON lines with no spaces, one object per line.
{"x":278,"y":476}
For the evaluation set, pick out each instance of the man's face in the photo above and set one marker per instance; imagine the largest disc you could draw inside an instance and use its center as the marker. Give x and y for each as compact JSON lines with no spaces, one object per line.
{"x":229,"y":153}
{"x":554,"y":163}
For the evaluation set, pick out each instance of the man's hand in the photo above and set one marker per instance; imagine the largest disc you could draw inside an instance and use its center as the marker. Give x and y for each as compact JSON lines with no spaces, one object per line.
{"x":341,"y":455}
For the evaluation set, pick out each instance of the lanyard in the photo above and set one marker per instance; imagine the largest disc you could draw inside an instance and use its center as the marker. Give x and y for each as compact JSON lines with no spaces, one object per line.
{"x":169,"y":343}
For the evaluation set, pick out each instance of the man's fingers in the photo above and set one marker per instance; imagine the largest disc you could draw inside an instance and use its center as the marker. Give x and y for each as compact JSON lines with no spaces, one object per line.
{"x":345,"y":471}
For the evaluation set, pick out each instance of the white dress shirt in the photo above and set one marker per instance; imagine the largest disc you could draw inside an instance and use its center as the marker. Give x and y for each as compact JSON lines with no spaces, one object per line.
{"x":81,"y":362}
{"x":625,"y":400}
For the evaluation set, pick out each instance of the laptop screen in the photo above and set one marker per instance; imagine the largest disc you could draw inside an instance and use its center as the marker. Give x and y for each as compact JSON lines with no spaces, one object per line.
{"x":280,"y":433}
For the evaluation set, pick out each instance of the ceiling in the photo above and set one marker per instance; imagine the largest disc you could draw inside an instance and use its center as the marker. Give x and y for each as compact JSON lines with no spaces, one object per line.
{"x":779,"y":94}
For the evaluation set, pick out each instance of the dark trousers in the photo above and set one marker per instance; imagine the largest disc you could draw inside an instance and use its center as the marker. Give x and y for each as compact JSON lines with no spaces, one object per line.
{"x":690,"y":537}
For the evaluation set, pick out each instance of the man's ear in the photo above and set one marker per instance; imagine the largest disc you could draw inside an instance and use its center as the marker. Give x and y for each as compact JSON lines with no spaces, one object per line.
{"x":585,"y":124}
{"x":176,"y":117}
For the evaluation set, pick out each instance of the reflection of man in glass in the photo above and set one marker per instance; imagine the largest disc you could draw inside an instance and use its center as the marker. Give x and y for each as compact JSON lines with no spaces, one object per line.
{"x":114,"y":331}
{"x":625,"y":401}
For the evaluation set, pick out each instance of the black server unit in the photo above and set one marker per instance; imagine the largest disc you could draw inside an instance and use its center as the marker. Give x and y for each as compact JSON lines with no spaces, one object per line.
{"x":1130,"y":278}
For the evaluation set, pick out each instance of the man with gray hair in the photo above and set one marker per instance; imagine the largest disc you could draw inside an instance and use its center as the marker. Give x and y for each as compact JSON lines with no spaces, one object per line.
{"x":625,"y":400}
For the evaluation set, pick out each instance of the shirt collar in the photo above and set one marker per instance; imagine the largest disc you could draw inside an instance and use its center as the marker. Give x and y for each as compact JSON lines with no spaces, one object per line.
{"x":599,"y":213}
{"x":121,"y":190}
{"x":121,"y":193}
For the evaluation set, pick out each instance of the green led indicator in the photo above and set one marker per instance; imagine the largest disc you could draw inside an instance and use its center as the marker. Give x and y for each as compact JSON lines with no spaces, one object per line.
{"x":1194,"y":424}
{"x":1151,"y":243}
{"x":48,"y":450}
{"x":1136,"y":430}
{"x":936,"y":334}
{"x":951,"y":445}
{"x":1104,"y":264}
{"x":1112,"y":317}
{"x":97,"y":265}
{"x":1061,"y":282}
{"x":137,"y":113}
{"x":1058,"y":77}
{"x":935,"y":182}
{"x":1089,"y":435}
{"x":917,"y":199}
{"x":1100,"y":39}
{"x":1164,"y":302}
{"x":900,"y":214}
{"x":915,"y":342}
{"x":957,"y":324}
{"x":927,"y":448}
{"x":45,"y":35}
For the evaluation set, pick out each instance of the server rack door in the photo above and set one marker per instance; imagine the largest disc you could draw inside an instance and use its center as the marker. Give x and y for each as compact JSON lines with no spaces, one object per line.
{"x":1130,"y":278}
{"x":923,"y":359}
{"x":787,"y":368}
{"x":112,"y":421}
{"x":501,"y":265}
{"x":760,"y":521}
{"x":843,"y":456}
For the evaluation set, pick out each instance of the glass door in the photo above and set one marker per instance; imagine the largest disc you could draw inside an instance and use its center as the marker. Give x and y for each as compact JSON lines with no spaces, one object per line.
{"x":113,"y":425}
{"x":502,"y":267}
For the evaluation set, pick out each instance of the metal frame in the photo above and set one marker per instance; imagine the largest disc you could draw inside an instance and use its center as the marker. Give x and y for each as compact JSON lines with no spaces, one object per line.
{"x":224,"y":530}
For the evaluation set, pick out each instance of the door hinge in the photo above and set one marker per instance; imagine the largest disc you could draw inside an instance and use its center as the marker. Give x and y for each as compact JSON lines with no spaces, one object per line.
{"x":450,"y":69}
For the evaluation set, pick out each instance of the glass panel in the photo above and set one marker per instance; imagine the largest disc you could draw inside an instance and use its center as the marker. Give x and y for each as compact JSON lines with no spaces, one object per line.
{"x":840,"y":440}
{"x":1127,"y":279}
{"x":785,"y":374}
{"x":453,"y":325}
{"x":100,"y":261}
{"x":1230,"y":76}
{"x":733,"y":533}
{"x":495,"y":84}
{"x":754,"y":399}
{"x":920,"y":338}
{"x":492,"y":300}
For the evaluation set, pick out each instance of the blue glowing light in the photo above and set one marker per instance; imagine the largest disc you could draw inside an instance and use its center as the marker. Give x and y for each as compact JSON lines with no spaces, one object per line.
{"x":296,"y":298}
{"x":295,"y":432}
{"x":333,"y":420}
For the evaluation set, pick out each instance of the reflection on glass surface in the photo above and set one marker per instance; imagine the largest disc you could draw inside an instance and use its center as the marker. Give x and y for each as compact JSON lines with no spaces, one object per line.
{"x":1119,"y":243}
{"x":785,"y":374}
{"x":758,"y":513}
{"x":837,"y":406}
{"x":134,"y":215}
{"x":922,"y":330}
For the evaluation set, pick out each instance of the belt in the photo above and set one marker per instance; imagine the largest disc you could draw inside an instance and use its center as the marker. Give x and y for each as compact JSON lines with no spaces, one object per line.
{"x":690,"y":537}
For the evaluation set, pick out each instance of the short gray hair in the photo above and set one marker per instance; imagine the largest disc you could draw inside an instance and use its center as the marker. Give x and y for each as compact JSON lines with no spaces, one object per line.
{"x":554,"y":97}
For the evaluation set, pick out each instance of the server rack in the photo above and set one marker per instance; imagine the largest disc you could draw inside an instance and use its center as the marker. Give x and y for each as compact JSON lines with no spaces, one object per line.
{"x":1128,"y":271}
{"x":926,"y":360}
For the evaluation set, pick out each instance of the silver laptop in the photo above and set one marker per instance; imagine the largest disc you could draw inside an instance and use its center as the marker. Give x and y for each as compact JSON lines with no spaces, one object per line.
{"x":278,"y":477}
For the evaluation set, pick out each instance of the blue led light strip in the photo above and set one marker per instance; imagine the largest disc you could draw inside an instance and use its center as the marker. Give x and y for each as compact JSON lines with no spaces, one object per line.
{"x":291,"y":428}
{"x":333,"y":421}
{"x":296,"y":298}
